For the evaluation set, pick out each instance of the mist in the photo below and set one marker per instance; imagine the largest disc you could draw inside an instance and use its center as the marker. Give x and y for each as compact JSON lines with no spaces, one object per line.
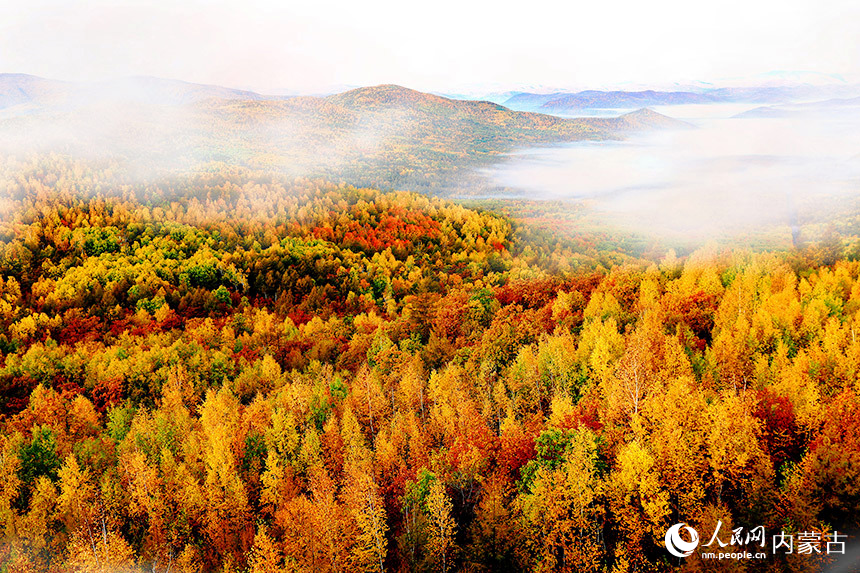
{"x":149,"y":132}
{"x":732,"y":173}
{"x":737,"y":170}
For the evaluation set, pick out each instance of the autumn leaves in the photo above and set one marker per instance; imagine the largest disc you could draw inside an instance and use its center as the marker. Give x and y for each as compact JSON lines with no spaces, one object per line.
{"x":335,"y":379}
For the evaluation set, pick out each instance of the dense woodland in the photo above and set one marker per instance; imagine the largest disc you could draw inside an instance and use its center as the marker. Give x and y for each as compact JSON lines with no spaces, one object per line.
{"x":233,"y":372}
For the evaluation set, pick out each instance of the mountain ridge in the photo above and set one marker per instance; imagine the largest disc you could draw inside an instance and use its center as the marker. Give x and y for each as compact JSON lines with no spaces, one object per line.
{"x":26,"y":89}
{"x":568,"y":102}
{"x":786,"y":111}
{"x":387,"y":136}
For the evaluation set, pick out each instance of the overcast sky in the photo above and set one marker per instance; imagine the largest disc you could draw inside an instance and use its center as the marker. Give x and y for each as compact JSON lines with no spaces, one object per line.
{"x":445,"y":45}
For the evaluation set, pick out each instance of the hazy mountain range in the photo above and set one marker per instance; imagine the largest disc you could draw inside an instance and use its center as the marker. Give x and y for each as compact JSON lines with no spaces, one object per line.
{"x":591,"y":99}
{"x":826,"y":107}
{"x":387,"y":136}
{"x":23,"y":89}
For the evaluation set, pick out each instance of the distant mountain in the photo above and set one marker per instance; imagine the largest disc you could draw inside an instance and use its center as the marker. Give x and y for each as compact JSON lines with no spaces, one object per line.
{"x":387,"y":96}
{"x":22,"y":89}
{"x":525,"y":101}
{"x":161,"y":91}
{"x":642,"y":119}
{"x":386,"y":136}
{"x":592,"y":99}
{"x":766,"y":112}
{"x":618,"y":99}
{"x":495,"y":97}
{"x":782,"y":94}
{"x":421,"y":107}
{"x":819,"y":107}
{"x":492,"y":122}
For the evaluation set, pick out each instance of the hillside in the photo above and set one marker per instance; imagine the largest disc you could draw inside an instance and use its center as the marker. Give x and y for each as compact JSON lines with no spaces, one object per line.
{"x":639,"y":120}
{"x":385,"y":136}
{"x":24,"y":89}
{"x":433,"y":115}
{"x":386,"y":98}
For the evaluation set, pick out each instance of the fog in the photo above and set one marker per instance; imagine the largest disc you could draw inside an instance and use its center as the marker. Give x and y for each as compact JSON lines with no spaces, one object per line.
{"x":730,"y":173}
{"x":726,"y":175}
{"x":148,"y":140}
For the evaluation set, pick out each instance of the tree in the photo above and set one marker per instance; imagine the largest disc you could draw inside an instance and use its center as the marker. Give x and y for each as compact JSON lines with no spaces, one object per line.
{"x":495,"y":533}
{"x":38,"y":458}
{"x":442,"y":527}
{"x":367,"y":507}
{"x":561,"y":511}
{"x":265,"y":556}
{"x":227,"y":514}
{"x":831,"y":467}
{"x":108,"y":553}
{"x":639,"y":503}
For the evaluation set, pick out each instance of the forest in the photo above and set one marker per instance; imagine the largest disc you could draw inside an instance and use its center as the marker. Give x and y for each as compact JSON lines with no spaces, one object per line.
{"x":234,"y":371}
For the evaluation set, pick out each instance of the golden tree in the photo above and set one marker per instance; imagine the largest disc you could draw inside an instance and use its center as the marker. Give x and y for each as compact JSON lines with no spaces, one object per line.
{"x":441,"y":544}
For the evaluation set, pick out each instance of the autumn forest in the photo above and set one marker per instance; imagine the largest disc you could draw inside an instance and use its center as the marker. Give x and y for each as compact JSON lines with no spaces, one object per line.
{"x":235,"y":371}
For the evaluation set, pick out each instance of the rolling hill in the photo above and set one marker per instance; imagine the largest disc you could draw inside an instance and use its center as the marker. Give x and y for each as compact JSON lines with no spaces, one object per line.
{"x":386,"y":136}
{"x":23,"y":89}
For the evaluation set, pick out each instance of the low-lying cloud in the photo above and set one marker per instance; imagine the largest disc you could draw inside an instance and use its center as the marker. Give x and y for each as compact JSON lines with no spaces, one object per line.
{"x":727,"y":176}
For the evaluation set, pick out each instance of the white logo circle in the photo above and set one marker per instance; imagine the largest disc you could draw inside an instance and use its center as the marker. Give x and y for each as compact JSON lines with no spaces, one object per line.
{"x":677,"y":546}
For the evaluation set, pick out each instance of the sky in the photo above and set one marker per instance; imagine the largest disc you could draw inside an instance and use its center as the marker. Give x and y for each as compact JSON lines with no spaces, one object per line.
{"x":276,"y":46}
